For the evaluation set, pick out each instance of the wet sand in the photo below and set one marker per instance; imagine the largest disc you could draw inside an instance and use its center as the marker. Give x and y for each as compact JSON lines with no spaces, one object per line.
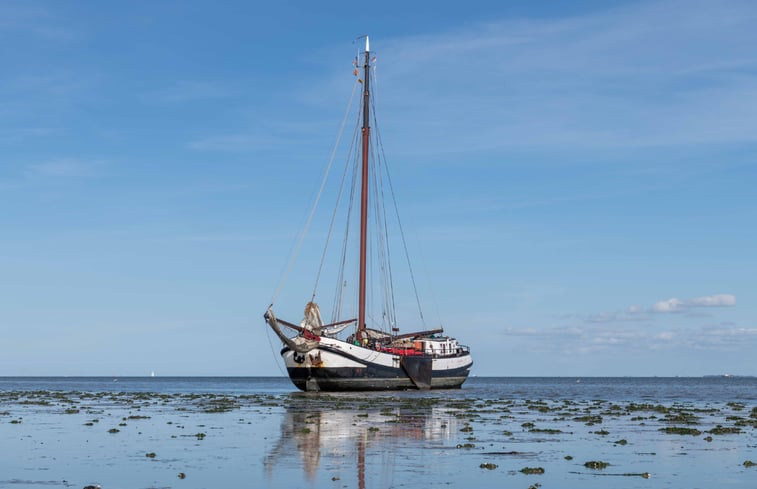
{"x":180,"y":440}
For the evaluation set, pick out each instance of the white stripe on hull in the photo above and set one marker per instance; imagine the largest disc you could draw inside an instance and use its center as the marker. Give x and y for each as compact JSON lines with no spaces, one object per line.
{"x":364,"y":356}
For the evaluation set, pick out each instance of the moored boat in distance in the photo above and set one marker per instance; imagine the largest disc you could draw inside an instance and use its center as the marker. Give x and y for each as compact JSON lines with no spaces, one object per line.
{"x":379,"y":357}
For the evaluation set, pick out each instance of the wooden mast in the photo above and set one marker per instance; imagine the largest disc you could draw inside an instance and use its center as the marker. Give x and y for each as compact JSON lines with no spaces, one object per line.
{"x":364,"y":191}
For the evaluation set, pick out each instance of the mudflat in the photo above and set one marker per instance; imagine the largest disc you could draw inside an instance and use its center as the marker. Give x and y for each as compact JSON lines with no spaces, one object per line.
{"x":73,"y":438}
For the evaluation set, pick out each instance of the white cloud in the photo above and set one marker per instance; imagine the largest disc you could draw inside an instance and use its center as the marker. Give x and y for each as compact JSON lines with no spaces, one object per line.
{"x":637,"y":313}
{"x":678,"y":305}
{"x":602,"y":317}
{"x":632,"y":329}
{"x":665,"y":336}
{"x":718,"y":300}
{"x":721,"y":338}
{"x":600,"y":338}
{"x":669,"y":305}
{"x":632,"y":313}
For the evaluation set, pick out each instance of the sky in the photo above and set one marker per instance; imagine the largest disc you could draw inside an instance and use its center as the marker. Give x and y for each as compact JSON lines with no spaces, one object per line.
{"x":576,"y":179}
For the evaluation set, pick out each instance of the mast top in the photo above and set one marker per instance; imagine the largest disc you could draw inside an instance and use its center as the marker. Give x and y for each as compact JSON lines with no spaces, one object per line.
{"x":367,"y":44}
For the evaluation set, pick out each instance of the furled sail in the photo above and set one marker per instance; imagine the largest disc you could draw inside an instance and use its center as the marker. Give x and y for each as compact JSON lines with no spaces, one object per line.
{"x":299,"y":344}
{"x":333,"y":330}
{"x":312,"y":321}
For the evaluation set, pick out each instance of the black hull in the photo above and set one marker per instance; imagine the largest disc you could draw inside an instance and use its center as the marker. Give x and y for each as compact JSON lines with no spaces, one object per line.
{"x":346,"y":380}
{"x":372,"y":377}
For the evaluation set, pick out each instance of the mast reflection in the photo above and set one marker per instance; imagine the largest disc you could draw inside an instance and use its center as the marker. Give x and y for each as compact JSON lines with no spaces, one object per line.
{"x":346,"y":437}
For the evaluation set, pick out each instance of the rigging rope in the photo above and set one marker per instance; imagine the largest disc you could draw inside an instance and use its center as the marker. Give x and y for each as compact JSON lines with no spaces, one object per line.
{"x":276,"y":357}
{"x":388,"y":278}
{"x":333,"y":215}
{"x":293,"y":258}
{"x":338,"y":296}
{"x":377,"y":236}
{"x":399,"y":222}
{"x":382,"y":242}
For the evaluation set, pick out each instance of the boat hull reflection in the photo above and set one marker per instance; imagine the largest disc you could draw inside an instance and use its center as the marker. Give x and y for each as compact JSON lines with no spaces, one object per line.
{"x":346,"y":438}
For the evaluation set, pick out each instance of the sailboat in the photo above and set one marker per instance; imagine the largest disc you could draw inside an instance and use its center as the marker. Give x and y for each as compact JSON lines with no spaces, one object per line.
{"x":370,"y":358}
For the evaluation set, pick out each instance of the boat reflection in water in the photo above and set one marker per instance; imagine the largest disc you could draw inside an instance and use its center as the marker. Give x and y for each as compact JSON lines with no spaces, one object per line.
{"x":341,"y":440}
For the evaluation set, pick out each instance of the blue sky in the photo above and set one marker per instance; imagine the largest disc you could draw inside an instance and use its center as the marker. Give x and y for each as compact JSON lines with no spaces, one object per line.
{"x":577,"y":178}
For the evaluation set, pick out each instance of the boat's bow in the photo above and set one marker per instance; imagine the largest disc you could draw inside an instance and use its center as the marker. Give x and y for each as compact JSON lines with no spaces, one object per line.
{"x":300,"y":343}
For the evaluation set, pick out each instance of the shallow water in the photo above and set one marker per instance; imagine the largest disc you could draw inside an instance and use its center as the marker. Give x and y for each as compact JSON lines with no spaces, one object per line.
{"x":259,"y":432}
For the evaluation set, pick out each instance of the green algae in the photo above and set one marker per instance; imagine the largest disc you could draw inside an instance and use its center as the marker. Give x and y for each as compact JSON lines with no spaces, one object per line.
{"x":596,"y":464}
{"x":549,"y":431}
{"x":724,"y":430}
{"x":590,"y":420}
{"x":681,"y":418}
{"x":679,"y":430}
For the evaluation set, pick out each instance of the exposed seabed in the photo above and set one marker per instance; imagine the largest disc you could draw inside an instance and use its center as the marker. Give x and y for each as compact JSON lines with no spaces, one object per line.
{"x":181,"y":440}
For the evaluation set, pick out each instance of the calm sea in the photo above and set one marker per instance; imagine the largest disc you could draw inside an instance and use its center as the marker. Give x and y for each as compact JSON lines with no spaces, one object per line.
{"x":688,"y":389}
